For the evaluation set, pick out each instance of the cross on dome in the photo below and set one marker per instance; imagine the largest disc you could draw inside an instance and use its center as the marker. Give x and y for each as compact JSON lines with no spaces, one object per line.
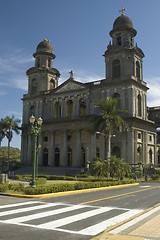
{"x":122,"y":10}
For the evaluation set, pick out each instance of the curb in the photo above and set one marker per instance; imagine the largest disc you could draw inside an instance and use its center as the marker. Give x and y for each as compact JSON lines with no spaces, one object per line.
{"x":107,"y":235}
{"x":68,"y":192}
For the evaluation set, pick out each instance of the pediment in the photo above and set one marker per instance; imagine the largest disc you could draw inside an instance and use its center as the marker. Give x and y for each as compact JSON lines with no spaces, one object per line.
{"x":70,"y":86}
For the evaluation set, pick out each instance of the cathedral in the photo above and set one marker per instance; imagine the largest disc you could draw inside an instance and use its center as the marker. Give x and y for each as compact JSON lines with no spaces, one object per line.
{"x":67,"y":141}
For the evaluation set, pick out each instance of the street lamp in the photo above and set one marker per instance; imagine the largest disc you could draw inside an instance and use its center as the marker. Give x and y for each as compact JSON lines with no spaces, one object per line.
{"x":35,"y":130}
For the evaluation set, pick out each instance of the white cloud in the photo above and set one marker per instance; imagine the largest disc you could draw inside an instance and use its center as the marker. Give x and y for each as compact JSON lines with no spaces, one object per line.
{"x":12,"y":69}
{"x":79,"y":75}
{"x":153,"y":95}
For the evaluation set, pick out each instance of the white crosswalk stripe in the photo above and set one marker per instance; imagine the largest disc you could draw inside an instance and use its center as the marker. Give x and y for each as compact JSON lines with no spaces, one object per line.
{"x":61,"y":216}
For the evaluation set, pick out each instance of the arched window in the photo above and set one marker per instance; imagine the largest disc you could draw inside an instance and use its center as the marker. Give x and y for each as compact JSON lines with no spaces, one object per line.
{"x":83,"y":157}
{"x":117,"y":97}
{"x":116,"y":151}
{"x":137,"y":70}
{"x":150,"y":155}
{"x":34,"y":85}
{"x":69,"y":112}
{"x":57,"y":110}
{"x":139,"y":154}
{"x":116,"y":68}
{"x":119,"y":41}
{"x":38,"y":62}
{"x":45,"y":157}
{"x":139,"y":106}
{"x":97,"y":152}
{"x":52,"y":84}
{"x":57,"y":157}
{"x":32,"y":110}
{"x":82,"y":107}
{"x":69,"y":157}
{"x":49,"y":62}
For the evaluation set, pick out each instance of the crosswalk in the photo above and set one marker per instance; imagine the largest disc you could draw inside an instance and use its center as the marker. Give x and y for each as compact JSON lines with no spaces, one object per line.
{"x":79,"y":219}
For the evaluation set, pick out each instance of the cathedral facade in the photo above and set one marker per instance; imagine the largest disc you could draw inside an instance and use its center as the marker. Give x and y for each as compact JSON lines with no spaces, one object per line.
{"x":67,"y":140}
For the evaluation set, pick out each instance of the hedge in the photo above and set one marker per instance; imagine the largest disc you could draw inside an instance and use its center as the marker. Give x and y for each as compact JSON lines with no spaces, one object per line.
{"x":70,"y":187}
{"x":12,"y":186}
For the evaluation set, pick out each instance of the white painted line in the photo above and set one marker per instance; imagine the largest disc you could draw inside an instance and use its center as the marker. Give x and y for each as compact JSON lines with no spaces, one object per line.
{"x":44,"y":214}
{"x":100,"y":227}
{"x":134,"y":221}
{"x":19,"y":204}
{"x":71,"y":219}
{"x":145,"y":186}
{"x":20,"y":210}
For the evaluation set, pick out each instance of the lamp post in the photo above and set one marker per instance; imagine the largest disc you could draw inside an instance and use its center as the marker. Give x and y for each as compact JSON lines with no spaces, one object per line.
{"x":35,"y":130}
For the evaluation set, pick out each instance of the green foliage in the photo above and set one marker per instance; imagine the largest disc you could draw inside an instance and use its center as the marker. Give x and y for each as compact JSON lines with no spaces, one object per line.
{"x":15,"y":155}
{"x":98,"y":167}
{"x":155,"y":176}
{"x":40,"y":181}
{"x":12,"y":186}
{"x":157,"y":171}
{"x":44,"y":189}
{"x":3,"y":187}
{"x":139,"y":172}
{"x":109,"y":117}
{"x":116,"y":166}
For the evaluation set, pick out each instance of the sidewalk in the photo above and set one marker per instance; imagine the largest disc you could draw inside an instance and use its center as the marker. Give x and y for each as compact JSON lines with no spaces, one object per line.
{"x":144,"y":226}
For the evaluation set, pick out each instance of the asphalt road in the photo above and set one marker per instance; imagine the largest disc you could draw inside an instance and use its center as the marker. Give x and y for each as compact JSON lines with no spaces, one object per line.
{"x":79,"y":216}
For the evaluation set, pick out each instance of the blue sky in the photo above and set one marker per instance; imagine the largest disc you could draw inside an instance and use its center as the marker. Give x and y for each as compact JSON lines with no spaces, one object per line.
{"x":79,"y":33}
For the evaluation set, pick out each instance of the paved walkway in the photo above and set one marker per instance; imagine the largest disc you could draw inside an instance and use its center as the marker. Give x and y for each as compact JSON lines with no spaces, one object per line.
{"x":145,"y":226}
{"x":26,"y":184}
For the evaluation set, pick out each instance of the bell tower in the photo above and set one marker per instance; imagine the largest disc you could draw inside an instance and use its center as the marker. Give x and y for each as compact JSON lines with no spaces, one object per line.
{"x":43,"y":77}
{"x":124,"y":67}
{"x":123,"y":59}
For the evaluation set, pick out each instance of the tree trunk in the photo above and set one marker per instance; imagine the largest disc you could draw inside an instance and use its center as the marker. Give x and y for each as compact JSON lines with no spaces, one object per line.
{"x":8,"y":166}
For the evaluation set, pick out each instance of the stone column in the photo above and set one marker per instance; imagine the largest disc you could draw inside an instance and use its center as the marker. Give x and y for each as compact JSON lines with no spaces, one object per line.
{"x":63,"y":110}
{"x":29,"y":150}
{"x":92,"y":149}
{"x":135,"y":146}
{"x":65,"y":150}
{"x":88,"y":104}
{"x":52,"y":149}
{"x":75,"y":107}
{"x":40,"y":154}
{"x":79,"y":148}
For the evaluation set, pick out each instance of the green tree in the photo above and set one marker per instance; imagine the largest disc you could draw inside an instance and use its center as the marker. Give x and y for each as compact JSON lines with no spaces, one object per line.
{"x":109,"y":119}
{"x":119,"y":168}
{"x":11,"y":125}
{"x":3,"y":126}
{"x":98,"y":167}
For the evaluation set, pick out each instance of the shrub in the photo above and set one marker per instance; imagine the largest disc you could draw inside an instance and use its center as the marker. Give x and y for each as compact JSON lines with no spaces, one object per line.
{"x":157,"y":171}
{"x":3,"y":187}
{"x":155,"y":176}
{"x":139,"y":172}
{"x":41,"y":181}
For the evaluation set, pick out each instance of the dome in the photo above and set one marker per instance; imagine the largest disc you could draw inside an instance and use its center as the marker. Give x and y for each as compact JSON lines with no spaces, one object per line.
{"x":122,"y":22}
{"x":44,"y":46}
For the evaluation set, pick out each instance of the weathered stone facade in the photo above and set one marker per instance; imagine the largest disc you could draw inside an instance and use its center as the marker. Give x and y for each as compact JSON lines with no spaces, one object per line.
{"x":67,"y":140}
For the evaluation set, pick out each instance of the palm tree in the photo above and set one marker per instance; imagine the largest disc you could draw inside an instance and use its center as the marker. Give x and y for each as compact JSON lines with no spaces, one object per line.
{"x":11,"y":125}
{"x":108,"y":119}
{"x":2,"y":130}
